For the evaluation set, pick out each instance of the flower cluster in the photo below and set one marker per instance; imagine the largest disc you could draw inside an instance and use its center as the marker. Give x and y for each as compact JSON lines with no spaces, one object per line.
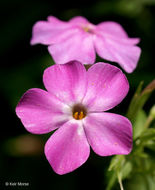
{"x":76,"y":100}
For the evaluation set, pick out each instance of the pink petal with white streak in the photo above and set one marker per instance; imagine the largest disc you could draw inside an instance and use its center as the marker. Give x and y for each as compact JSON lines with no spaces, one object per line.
{"x":67,"y":82}
{"x":40,"y":112}
{"x":67,"y":149}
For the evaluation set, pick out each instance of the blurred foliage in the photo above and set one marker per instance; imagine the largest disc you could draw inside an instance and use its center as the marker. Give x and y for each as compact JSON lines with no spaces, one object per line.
{"x":139,"y":164}
{"x":22,"y":67}
{"x":139,"y":99}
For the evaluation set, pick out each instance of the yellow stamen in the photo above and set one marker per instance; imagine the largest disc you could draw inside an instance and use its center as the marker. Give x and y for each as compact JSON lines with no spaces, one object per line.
{"x":78,"y":115}
{"x":86,"y":29}
{"x":81,"y":115}
{"x":75,"y":115}
{"x":79,"y":112}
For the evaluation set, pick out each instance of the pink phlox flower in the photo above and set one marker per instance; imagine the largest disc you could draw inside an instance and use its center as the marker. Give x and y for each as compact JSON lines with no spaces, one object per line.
{"x":78,"y":39}
{"x":75,"y":104}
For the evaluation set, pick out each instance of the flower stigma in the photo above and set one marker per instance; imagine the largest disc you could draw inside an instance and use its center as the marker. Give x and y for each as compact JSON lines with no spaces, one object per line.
{"x":79,"y":112}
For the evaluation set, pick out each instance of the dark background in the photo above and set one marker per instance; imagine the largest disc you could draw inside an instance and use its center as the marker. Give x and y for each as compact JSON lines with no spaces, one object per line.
{"x":22,"y":65}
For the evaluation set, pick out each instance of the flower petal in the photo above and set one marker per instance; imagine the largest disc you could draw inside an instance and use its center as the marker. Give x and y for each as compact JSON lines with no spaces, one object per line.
{"x":108,"y":133}
{"x":78,"y":46}
{"x":40,"y":112}
{"x":67,"y":149}
{"x":56,"y":22}
{"x":112,"y":28}
{"x":51,"y":31}
{"x":67,"y":82}
{"x":121,"y":50}
{"x":115,"y":30}
{"x":107,"y":87}
{"x":78,"y":20}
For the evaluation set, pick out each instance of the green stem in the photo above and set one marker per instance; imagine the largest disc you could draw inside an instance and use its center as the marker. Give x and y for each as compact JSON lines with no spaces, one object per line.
{"x":120,"y":181}
{"x":148,"y":121}
{"x":150,"y":118}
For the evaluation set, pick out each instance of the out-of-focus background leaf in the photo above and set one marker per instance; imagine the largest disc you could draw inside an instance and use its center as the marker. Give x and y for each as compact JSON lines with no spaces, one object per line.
{"x":22,"y":66}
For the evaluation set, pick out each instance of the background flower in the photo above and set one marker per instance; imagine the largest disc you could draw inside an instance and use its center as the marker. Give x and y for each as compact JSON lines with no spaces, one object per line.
{"x":78,"y":39}
{"x":74,"y":103}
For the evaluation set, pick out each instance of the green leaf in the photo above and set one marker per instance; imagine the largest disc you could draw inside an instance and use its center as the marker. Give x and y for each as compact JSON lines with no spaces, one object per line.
{"x":139,"y":99}
{"x":143,"y":176}
{"x":126,"y":169}
{"x":149,"y":134}
{"x":138,"y":182}
{"x":150,"y":144}
{"x":115,"y":165}
{"x":152,"y":112}
{"x":116,"y":162}
{"x":134,"y":100}
{"x":138,"y":124}
{"x":112,"y":177}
